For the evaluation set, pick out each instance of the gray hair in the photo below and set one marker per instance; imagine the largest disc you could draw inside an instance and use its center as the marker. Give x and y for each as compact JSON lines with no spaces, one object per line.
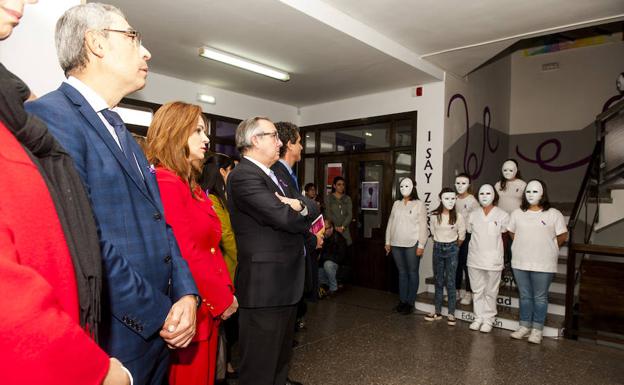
{"x":246,"y":130}
{"x":71,"y":30}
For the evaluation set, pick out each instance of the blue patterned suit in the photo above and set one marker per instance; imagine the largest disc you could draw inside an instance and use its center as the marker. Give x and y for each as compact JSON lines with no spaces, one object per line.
{"x":145,"y":272}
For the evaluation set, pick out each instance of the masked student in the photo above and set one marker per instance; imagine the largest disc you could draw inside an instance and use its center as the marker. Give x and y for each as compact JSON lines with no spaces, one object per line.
{"x":406,"y":236}
{"x":448,"y":231}
{"x":466,"y":203}
{"x":510,"y":189}
{"x":485,"y":256}
{"x":538,"y":231}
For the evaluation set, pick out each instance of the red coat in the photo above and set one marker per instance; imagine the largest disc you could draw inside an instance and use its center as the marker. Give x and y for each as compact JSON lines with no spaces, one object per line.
{"x":41,"y":340}
{"x":197,"y":230}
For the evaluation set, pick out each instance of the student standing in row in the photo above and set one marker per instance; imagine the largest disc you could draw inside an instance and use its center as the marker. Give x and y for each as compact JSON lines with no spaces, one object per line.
{"x":448,"y":231}
{"x":406,"y":236}
{"x":465,"y":204}
{"x":485,"y":256}
{"x":510,"y":189}
{"x":538,"y":231}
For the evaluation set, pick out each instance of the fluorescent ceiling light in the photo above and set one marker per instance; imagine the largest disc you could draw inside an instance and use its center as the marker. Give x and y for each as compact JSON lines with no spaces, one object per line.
{"x":236,"y":61}
{"x":206,"y":98}
{"x":134,"y":116}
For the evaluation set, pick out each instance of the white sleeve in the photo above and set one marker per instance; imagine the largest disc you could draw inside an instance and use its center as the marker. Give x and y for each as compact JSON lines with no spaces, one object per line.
{"x":422,"y":225}
{"x":560,"y":225}
{"x":461,"y":228}
{"x":512,"y":221}
{"x":505,"y":221}
{"x":432,"y":225}
{"x":390,"y":226}
{"x":469,"y":223}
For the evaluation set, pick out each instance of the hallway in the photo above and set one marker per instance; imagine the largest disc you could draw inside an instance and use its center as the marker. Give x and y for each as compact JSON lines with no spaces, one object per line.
{"x":355,"y":338}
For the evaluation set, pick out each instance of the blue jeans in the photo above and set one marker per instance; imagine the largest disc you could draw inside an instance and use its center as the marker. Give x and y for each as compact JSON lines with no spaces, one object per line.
{"x":408,"y":264}
{"x":444,"y":270}
{"x":533,"y":287}
{"x":327,"y":275}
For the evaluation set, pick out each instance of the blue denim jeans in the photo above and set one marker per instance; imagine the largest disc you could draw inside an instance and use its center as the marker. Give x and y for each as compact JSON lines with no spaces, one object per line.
{"x":327,"y":275}
{"x":444,"y":270}
{"x":408,"y":264}
{"x":533,"y":287}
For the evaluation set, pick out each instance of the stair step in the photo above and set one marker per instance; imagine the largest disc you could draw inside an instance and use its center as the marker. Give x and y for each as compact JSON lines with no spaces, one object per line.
{"x":507,"y":317}
{"x":559,"y":278}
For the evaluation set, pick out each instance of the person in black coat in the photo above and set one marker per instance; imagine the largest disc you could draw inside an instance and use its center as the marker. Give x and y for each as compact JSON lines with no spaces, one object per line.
{"x":271,"y":263}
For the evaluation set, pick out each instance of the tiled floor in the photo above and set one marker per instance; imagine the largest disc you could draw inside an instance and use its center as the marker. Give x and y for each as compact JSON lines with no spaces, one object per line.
{"x":355,"y":338}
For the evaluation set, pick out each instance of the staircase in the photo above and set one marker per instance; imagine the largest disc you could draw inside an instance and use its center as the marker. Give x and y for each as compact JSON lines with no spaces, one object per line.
{"x":508,"y":302}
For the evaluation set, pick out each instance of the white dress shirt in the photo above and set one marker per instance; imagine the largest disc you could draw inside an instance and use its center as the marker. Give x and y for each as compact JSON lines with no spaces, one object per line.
{"x":407,"y":225}
{"x":444,"y":232}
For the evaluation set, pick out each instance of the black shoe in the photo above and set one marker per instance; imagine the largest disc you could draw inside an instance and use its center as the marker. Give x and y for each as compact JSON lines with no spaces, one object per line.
{"x":399,"y":307}
{"x":407,"y":309}
{"x":291,"y":382}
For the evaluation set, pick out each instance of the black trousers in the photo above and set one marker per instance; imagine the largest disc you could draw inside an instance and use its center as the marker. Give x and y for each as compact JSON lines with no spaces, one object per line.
{"x":265,"y":340}
{"x":462,"y":268}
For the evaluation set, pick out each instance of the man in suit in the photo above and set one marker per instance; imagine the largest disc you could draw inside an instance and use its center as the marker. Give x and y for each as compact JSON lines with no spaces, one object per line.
{"x":271,"y":264}
{"x":152,"y":298}
{"x":290,"y":154}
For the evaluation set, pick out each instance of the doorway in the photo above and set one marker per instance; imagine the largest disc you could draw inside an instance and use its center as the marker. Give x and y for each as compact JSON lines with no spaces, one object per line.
{"x":372,"y":155}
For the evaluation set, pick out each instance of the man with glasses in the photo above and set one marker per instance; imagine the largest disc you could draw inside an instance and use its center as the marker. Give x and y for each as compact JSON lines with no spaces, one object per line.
{"x":270,"y":275}
{"x":150,"y":298}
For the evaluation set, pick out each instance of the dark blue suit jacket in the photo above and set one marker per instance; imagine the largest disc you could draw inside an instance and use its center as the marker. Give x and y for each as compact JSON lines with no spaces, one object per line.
{"x":145,"y":272}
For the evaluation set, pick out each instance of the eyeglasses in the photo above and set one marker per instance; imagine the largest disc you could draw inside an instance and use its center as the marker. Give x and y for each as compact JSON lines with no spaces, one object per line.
{"x":131,"y":33}
{"x":269,"y":134}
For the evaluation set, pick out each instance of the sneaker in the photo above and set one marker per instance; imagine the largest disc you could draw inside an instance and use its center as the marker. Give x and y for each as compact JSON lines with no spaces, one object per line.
{"x":433,"y":317}
{"x":536,"y":336}
{"x":486,"y":328}
{"x":300,"y":324}
{"x":476,"y":325}
{"x":521,"y":333}
{"x":322,"y":293}
{"x":451,"y":320}
{"x":466,"y":299}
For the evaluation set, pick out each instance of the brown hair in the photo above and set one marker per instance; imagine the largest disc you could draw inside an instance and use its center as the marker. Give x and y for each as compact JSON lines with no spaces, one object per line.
{"x":167,"y":140}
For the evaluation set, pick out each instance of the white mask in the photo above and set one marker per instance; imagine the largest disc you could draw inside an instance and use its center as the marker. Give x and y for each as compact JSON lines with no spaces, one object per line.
{"x":509,"y":170}
{"x":534,"y":192}
{"x":448,"y":200}
{"x":461,"y":184}
{"x":406,"y":187}
{"x":486,"y":195}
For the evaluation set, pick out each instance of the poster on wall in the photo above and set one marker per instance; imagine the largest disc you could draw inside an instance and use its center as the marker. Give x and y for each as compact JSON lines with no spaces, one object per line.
{"x":370,"y":196}
{"x":332,"y":170}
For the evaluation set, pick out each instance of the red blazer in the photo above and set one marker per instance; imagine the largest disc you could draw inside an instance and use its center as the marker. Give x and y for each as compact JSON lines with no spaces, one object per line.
{"x":41,"y":340}
{"x":197,"y":230}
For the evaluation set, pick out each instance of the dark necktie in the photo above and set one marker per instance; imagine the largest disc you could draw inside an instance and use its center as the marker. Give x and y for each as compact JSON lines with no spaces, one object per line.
{"x":124,"y":137}
{"x":294,"y":178}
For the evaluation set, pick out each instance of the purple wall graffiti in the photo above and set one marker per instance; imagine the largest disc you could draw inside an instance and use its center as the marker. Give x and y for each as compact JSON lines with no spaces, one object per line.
{"x":473,"y":165}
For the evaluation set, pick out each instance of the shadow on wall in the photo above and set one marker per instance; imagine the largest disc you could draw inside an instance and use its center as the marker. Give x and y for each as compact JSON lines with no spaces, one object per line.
{"x":558,"y":158}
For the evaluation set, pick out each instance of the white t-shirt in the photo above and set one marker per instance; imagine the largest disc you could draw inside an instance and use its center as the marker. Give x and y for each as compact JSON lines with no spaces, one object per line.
{"x":465,"y":206}
{"x":407,"y":224}
{"x":511,"y":198}
{"x":485,"y":250}
{"x":535,"y":247}
{"x":444,"y":232}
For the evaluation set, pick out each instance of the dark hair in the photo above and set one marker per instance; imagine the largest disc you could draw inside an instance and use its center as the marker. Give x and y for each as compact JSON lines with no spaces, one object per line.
{"x":414,"y":194}
{"x":544,"y":203}
{"x":495,"y":201}
{"x":440,"y":209}
{"x":503,"y":181}
{"x":308,"y":186}
{"x":336,"y":180}
{"x":464,"y":175}
{"x":211,"y":179}
{"x":288,"y":133}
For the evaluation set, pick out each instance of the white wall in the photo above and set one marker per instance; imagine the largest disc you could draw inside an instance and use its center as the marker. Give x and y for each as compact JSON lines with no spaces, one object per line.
{"x":569,"y":98}
{"x":30,"y":53}
{"x":429,"y":140}
{"x":162,"y":89}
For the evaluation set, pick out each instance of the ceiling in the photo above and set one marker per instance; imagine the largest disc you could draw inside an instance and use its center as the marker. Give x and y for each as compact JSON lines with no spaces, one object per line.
{"x":335,"y":49}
